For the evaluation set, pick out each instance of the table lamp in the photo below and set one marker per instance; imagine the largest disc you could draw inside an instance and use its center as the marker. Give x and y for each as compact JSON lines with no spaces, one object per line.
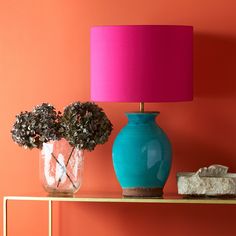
{"x":142,"y":63}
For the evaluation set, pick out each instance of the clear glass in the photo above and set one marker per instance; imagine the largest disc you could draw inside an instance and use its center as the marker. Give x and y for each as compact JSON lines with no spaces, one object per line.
{"x":61,"y":168}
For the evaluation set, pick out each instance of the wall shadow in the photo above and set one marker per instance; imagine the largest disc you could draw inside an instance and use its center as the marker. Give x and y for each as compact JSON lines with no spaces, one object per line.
{"x":209,"y":135}
{"x":214,"y":65}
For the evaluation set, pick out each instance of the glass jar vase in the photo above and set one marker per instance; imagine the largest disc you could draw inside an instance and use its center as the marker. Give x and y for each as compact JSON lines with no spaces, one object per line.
{"x":61,"y":167}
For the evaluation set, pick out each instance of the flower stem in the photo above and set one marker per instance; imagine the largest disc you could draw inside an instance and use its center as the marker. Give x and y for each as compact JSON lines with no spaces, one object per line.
{"x":63,"y":169}
{"x":59,"y":181}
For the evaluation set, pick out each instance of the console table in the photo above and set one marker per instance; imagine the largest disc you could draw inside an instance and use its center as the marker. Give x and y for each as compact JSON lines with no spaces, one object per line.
{"x":111,"y":198}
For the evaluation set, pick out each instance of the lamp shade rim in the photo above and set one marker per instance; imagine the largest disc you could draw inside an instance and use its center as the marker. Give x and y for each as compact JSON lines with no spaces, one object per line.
{"x":150,"y":25}
{"x":138,"y":101}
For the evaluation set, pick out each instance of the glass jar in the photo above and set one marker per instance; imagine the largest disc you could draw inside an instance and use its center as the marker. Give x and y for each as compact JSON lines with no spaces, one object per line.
{"x":61,"y":167}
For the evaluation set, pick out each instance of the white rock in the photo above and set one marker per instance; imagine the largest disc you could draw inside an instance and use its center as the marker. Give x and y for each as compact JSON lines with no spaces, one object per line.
{"x":211,"y":181}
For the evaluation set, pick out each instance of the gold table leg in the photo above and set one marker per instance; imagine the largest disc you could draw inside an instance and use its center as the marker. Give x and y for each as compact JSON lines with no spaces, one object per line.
{"x":4,"y":216}
{"x":49,"y":217}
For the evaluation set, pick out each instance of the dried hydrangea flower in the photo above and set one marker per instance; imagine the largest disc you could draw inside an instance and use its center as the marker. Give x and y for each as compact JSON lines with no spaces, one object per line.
{"x":32,"y":129}
{"x":85,"y":125}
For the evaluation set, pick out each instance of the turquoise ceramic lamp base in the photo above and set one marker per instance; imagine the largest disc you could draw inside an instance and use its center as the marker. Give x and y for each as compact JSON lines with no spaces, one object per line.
{"x":142,"y":156}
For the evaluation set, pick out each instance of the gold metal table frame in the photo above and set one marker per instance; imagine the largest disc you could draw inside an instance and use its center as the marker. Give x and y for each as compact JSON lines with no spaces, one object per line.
{"x":117,"y":198}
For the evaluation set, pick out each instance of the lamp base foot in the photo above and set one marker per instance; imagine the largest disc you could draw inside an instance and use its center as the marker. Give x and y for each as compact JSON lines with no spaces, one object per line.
{"x":142,"y":192}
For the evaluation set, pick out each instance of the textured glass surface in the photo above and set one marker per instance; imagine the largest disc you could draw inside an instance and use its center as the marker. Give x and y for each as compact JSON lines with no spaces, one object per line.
{"x":61,"y":168}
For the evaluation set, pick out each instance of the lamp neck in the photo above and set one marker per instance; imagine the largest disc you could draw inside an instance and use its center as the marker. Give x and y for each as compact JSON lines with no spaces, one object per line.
{"x":141,"y":107}
{"x":135,"y":118}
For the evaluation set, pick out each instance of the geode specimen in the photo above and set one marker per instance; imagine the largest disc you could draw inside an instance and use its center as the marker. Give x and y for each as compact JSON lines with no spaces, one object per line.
{"x":207,"y":181}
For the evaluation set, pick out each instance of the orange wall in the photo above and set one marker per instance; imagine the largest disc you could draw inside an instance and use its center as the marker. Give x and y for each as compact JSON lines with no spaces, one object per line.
{"x":44,"y":56}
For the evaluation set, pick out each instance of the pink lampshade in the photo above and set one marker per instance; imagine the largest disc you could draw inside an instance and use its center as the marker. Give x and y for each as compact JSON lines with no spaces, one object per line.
{"x":146,"y":63}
